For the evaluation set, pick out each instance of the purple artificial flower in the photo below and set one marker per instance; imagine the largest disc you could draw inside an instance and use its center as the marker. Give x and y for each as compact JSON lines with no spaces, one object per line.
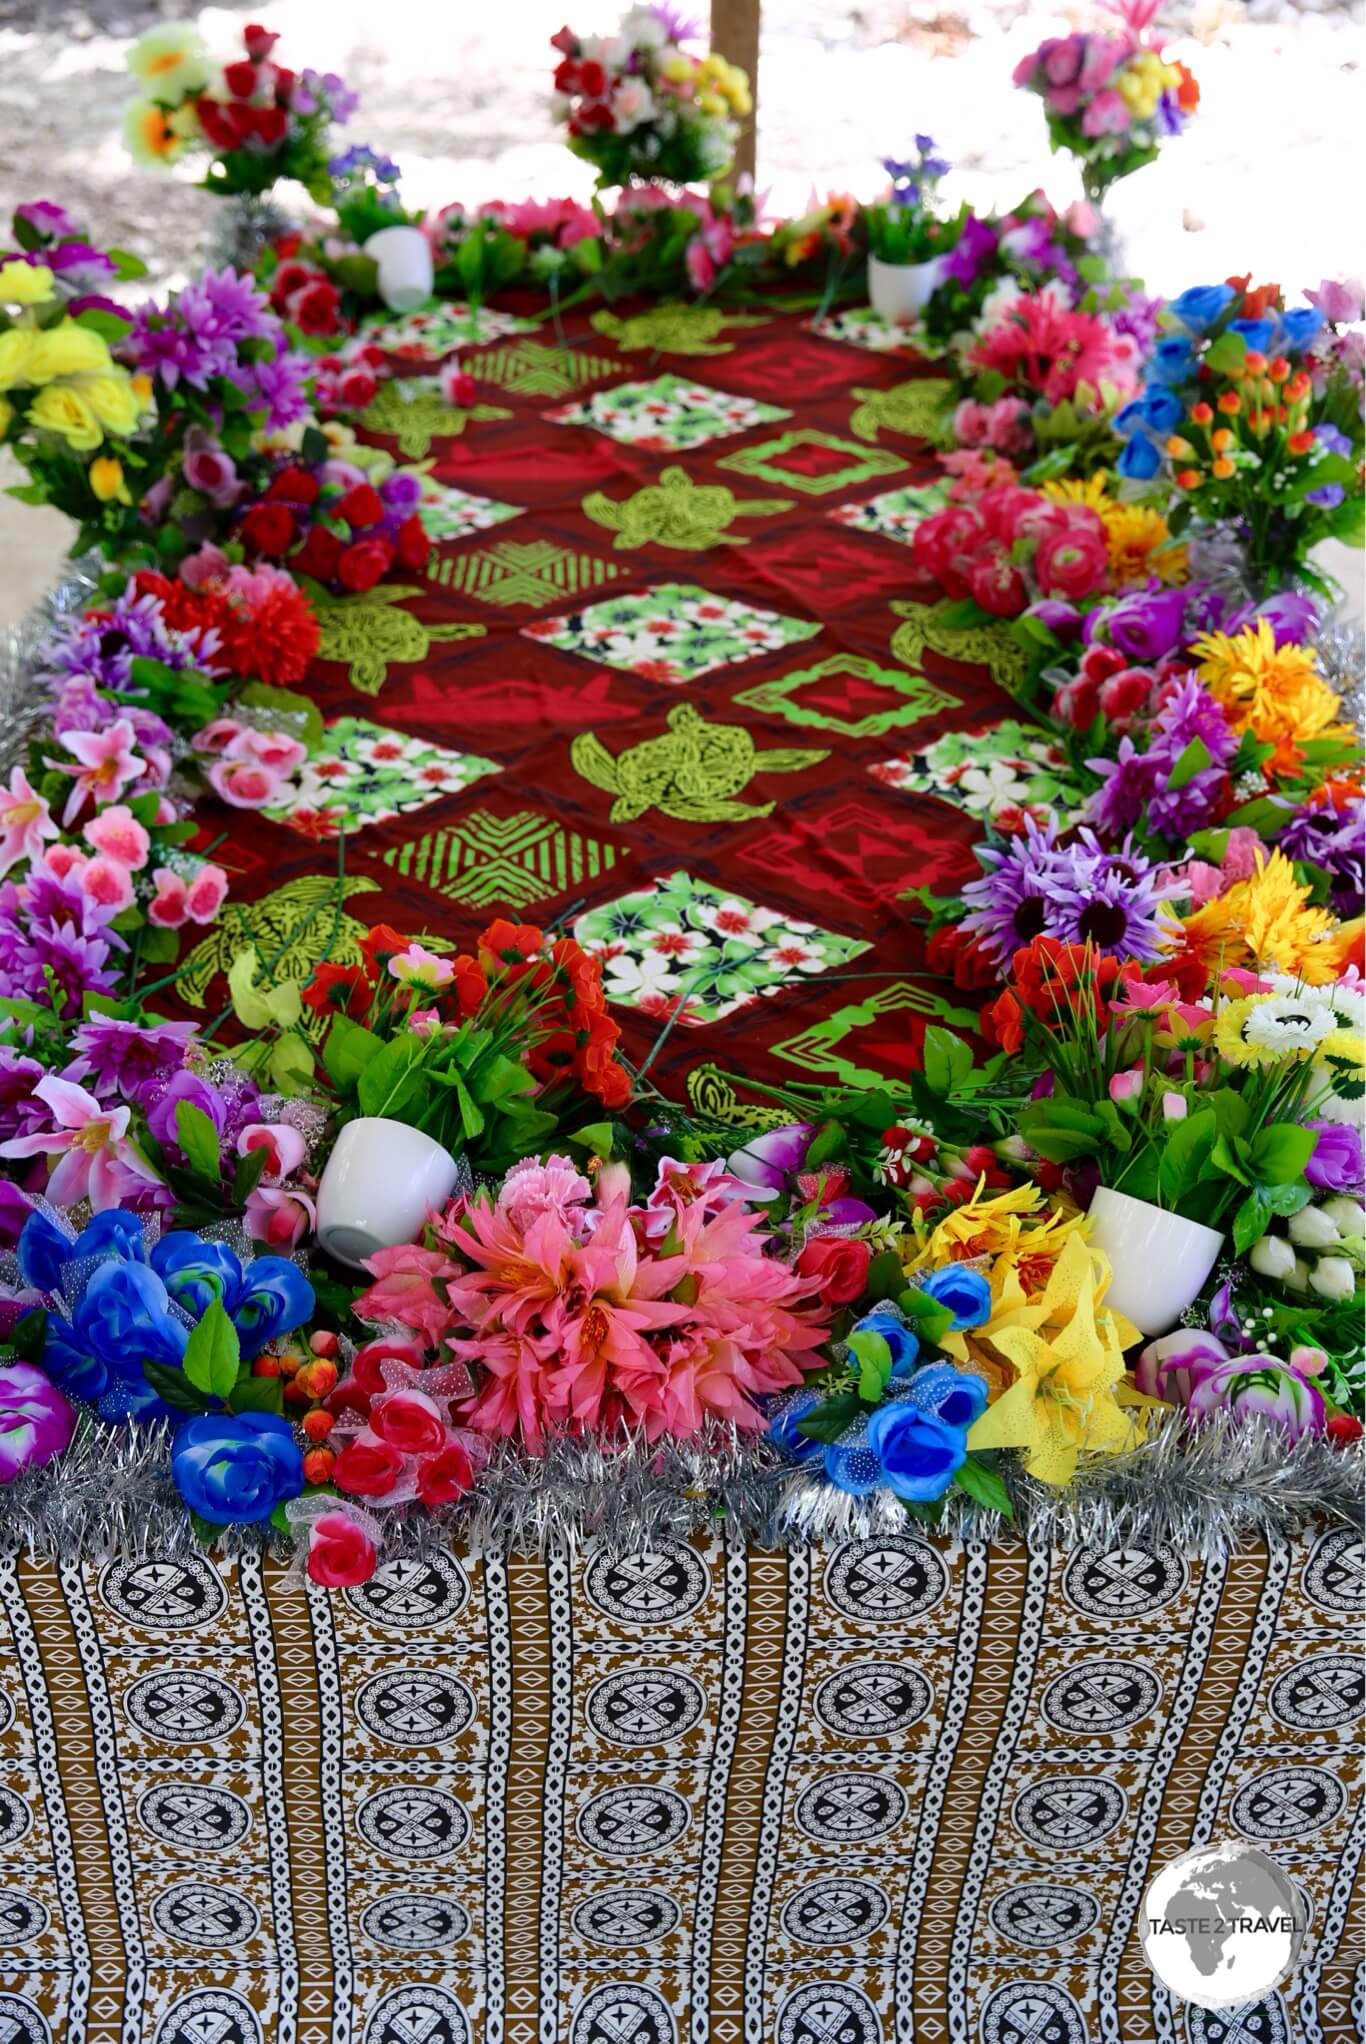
{"x":1294,"y":618}
{"x":20,"y":1113}
{"x":210,"y":470}
{"x":1191,"y":712}
{"x":279,"y":388}
{"x":975,"y":247}
{"x":768,"y":1161}
{"x":1130,"y":779}
{"x":99,"y":647}
{"x":50,"y":928}
{"x":36,"y":1421}
{"x":355,"y":162}
{"x":188,"y":1088}
{"x":1338,"y":1163}
{"x":79,"y":265}
{"x":1175,"y":1363}
{"x":47,"y":218}
{"x":1137,"y":317}
{"x":1144,"y":624}
{"x":318,"y":90}
{"x":402,"y":491}
{"x":126,"y":1057}
{"x":1116,"y":913}
{"x":1078,"y":892}
{"x":1261,"y":1387}
{"x":1327,"y":496}
{"x":1334,"y":839}
{"x":1064,"y":620}
{"x":1010,"y":904}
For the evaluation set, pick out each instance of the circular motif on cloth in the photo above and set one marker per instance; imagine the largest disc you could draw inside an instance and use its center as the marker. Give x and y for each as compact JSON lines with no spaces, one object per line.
{"x":1124,"y":1582}
{"x":1070,"y":1812}
{"x":414,"y":1706}
{"x":1319,"y":1693}
{"x":1032,"y":2012}
{"x":835,"y":1912}
{"x":16,"y":1818}
{"x":1287,"y":1802}
{"x":184,"y":1706}
{"x":6,"y":1712}
{"x":828,"y":2012}
{"x":872,"y":1700}
{"x":623,"y":2013}
{"x":22,"y":1918}
{"x":192,"y":1816}
{"x":626,"y":1916}
{"x":209,"y":2013}
{"x":164,"y":1593}
{"x":1335,"y":1573}
{"x":413,"y":1823}
{"x":409,"y":1591}
{"x":846,"y":1807}
{"x":205,"y":1914}
{"x":21,"y":2022}
{"x":417,"y":2015}
{"x":1256,"y":2022}
{"x":1041,"y":1913}
{"x":654,"y":1588}
{"x":625,"y":1823}
{"x":645,"y":1706}
{"x":411,"y":1922}
{"x":885,"y":1579}
{"x":1101,"y":1696}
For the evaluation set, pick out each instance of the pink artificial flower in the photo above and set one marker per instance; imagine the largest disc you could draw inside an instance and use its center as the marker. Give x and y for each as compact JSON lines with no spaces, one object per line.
{"x":25,"y":822}
{"x":1171,"y":1366}
{"x":64,"y":860}
{"x":1175,"y":1107}
{"x":107,"y":882}
{"x":36,"y":1421}
{"x":96,"y":1158}
{"x":1339,"y":302}
{"x":285,"y":1148}
{"x":218,"y":735}
{"x":1126,"y":1085}
{"x":106,"y":764}
{"x":206,"y":569}
{"x":1244,"y":854}
{"x":1082,"y":220}
{"x":424,"y":1021}
{"x":556,"y":1187}
{"x":1108,"y":114}
{"x":280,"y":1216}
{"x":116,"y":833}
{"x":410,"y":1421}
{"x":273,"y":749}
{"x":405,"y":1290}
{"x":1204,"y":882}
{"x":342,"y":1550}
{"x":417,"y":967}
{"x":206,"y":893}
{"x":243,"y":783}
{"x":168,"y":906}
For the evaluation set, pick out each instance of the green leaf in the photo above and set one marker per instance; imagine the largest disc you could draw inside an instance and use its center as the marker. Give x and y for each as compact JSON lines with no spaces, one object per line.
{"x":884,"y":1276}
{"x":945,"y":1060}
{"x":1227,"y":354}
{"x":247,"y":1176}
{"x":291,"y":1064}
{"x":1186,"y":1155}
{"x":1194,"y":760}
{"x":830,"y":1420}
{"x":198,"y":1138}
{"x":1279,"y":1153}
{"x":127,"y":266}
{"x":348,"y":1050}
{"x":983,"y":1484}
{"x":386,"y":1082}
{"x":471,"y":1115}
{"x":213,"y":1353}
{"x":257,"y":1394}
{"x":598,"y":1137}
{"x":171,"y":1388}
{"x":870,"y":1351}
{"x":110,"y":326}
{"x":1250,"y":1221}
{"x":30,"y":1333}
{"x":205,"y":1531}
{"x":260,"y":1007}
{"x":931,"y":1317}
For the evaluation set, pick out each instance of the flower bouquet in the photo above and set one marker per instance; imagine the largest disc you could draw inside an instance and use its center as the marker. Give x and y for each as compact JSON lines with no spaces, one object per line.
{"x":257,"y":120}
{"x":638,"y":105}
{"x":1110,"y":100}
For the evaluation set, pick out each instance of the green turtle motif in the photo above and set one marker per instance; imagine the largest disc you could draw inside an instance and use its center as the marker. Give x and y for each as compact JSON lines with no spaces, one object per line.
{"x":367,"y":632}
{"x":694,"y":773}
{"x":677,"y":512}
{"x":292,"y":929}
{"x":992,"y":646}
{"x":917,"y":409}
{"x":415,"y":415}
{"x":673,"y":329}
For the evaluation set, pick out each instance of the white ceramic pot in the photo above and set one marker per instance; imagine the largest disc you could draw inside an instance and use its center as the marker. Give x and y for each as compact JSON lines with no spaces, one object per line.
{"x":1159,"y":1260}
{"x":404,"y":259}
{"x":377,"y":1188}
{"x":899,"y":292}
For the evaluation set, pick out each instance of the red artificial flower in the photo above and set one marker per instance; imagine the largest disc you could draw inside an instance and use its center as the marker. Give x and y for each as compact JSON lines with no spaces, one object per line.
{"x":505,"y":943}
{"x":592,"y":79}
{"x":411,"y":544}
{"x":945,"y":533}
{"x":443,"y":1477}
{"x":366,"y":1380}
{"x":287,"y":245}
{"x":222,"y":123}
{"x":277,"y":641}
{"x":1073,"y":562}
{"x":293,"y":486}
{"x":379,"y":945}
{"x":319,"y":554}
{"x":469,"y":987}
{"x":292,"y":277}
{"x":361,"y":505}
{"x":1342,"y":1429}
{"x":356,"y":386}
{"x":268,"y":123}
{"x":997,"y":584}
{"x":839,"y":1264}
{"x":240,"y":78}
{"x":284,"y":85}
{"x":1123,"y":695}
{"x":268,"y":529}
{"x":363,"y":563}
{"x":259,"y":41}
{"x":1078,"y":703}
{"x":1004,"y":506}
{"x":367,"y":1467}
{"x":337,"y":990}
{"x":408,"y":1420}
{"x":957,"y":956}
{"x":340,"y":1552}
{"x":315,"y":307}
{"x":1098,"y":663}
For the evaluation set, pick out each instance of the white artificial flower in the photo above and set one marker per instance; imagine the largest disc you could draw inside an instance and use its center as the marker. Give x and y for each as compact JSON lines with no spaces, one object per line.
{"x":633,"y":103}
{"x":1312,"y":1228}
{"x":1273,"y":1257}
{"x":1347,"y":1214}
{"x":1287,"y":1023}
{"x":1333,"y":1278}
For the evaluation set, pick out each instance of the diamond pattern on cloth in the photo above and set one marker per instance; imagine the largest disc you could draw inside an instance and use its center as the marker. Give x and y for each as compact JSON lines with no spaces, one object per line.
{"x":813,"y":462}
{"x":488,"y":860}
{"x":668,"y":413}
{"x":531,"y":574}
{"x":673,"y":633}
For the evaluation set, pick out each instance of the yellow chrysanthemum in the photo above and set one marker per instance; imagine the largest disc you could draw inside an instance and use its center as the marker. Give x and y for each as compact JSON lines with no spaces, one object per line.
{"x":1274,"y":691}
{"x":1093,"y":491}
{"x":980,"y":1227}
{"x":1281,"y":929}
{"x":1140,"y":545}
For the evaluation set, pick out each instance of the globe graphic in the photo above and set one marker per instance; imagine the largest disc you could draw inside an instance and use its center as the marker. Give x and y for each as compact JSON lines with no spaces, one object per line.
{"x":1222,"y":1925}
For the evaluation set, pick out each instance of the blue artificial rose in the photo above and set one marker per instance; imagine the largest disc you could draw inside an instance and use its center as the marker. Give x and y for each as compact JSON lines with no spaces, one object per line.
{"x":124,"y":1318}
{"x":236,"y":1468}
{"x":276,"y":1298}
{"x":1299,"y":327}
{"x":1171,"y":361}
{"x":1132,"y":419}
{"x":918,"y":1453}
{"x":115,"y":1234}
{"x":1254,"y":333}
{"x":43,"y":1253}
{"x":966,"y":1293}
{"x":46,"y":1255}
{"x":69,"y":1362}
{"x":1163,"y":410}
{"x":954,"y":1397}
{"x":783,"y":1427}
{"x":1199,"y":308}
{"x":196,"y":1272}
{"x":1139,"y":459}
{"x":901,"y":1340}
{"x":850,"y":1462}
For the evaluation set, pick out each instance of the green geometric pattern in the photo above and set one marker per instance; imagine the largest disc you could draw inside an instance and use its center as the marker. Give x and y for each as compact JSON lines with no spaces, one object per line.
{"x":765,"y":460}
{"x":913,"y":697}
{"x":533,"y":369}
{"x":533,"y":573}
{"x":513,"y":860}
{"x":824,"y":1047}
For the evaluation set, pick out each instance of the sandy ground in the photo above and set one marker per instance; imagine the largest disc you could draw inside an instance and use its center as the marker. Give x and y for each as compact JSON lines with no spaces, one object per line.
{"x":458,"y":93}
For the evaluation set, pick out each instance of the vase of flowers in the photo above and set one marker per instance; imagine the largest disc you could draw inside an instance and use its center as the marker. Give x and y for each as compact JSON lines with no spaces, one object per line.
{"x":1159,"y":1259}
{"x":906,"y":241}
{"x":637,"y":105}
{"x":381,"y":1181}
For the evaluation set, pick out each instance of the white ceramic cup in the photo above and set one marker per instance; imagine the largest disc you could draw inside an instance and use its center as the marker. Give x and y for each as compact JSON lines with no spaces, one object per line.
{"x":1159,"y":1260}
{"x":899,"y":292}
{"x":378,"y":1186}
{"x":404,"y":259}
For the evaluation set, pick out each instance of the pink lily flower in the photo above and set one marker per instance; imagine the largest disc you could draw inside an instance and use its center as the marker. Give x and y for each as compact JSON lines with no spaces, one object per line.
{"x":25,"y":821}
{"x":106,"y":765}
{"x":97,"y":1159}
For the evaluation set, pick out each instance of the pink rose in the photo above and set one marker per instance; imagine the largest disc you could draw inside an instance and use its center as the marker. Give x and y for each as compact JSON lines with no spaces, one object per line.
{"x":367,"y":1467}
{"x":341,"y":1552}
{"x":36,"y":1421}
{"x":1106,"y":115}
{"x":443,"y":1477}
{"x":116,"y":833}
{"x":273,"y":749}
{"x":409,"y":1421}
{"x":243,"y":783}
{"x":285,"y":1148}
{"x":281,"y":1218}
{"x":205,"y":894}
{"x":217,"y":736}
{"x":107,"y":882}
{"x":167,"y":907}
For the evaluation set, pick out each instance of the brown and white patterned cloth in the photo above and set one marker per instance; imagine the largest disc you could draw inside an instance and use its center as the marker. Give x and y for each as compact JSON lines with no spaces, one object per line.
{"x":892,"y":1792}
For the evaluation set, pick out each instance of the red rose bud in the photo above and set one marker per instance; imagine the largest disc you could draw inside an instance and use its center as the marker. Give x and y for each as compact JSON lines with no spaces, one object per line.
{"x":269,"y":124}
{"x":361,"y":505}
{"x":240,"y":78}
{"x":284,"y":85}
{"x":340,"y":1552}
{"x":319,"y":555}
{"x":324,"y":1344}
{"x":840,"y":1262}
{"x":363,"y":563}
{"x":259,"y":41}
{"x":314,"y":308}
{"x":318,"y":1425}
{"x":293,"y":486}
{"x":366,"y":1370}
{"x":1342,"y":1429}
{"x":367,"y":1466}
{"x":412,"y":544}
{"x":222,"y":123}
{"x":443,"y":1478}
{"x":268,"y":529}
{"x":356,"y":387}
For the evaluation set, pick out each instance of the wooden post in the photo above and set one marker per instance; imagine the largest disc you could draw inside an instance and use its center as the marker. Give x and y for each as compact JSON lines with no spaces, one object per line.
{"x":735,"y":35}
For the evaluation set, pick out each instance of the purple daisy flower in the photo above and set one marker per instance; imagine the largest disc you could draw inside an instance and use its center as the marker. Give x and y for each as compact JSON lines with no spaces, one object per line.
{"x":1012,"y":904}
{"x":127,"y":1056}
{"x":1129,"y":781}
{"x":1114,"y":907}
{"x":1334,"y":839}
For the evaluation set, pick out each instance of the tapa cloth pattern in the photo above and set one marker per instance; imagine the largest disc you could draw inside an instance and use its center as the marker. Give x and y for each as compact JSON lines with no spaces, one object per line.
{"x":899,"y":1789}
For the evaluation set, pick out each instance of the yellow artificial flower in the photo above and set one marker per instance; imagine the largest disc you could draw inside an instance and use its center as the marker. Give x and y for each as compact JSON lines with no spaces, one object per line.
{"x":152,"y":136}
{"x":1276,"y":692}
{"x":112,"y":399}
{"x":60,"y":409}
{"x":16,"y":354}
{"x":1067,"y":1354}
{"x":979,"y":1227}
{"x":24,"y":283}
{"x":1093,"y":491}
{"x":171,"y":61}
{"x":67,"y":350}
{"x":678,"y":68}
{"x":106,"y":480}
{"x":1280,"y":928}
{"x":1140,"y":545}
